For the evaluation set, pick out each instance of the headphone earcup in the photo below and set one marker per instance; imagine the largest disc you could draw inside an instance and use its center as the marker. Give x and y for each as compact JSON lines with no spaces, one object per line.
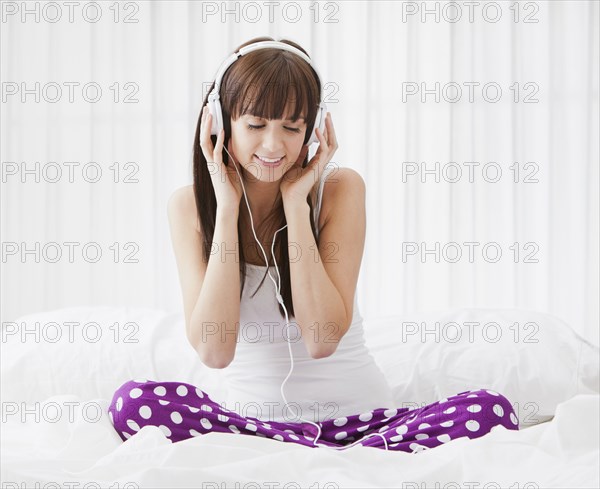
{"x":214,"y":108}
{"x":319,"y":122}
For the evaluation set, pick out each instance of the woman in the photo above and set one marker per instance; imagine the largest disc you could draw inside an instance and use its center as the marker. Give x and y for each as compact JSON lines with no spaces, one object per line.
{"x":270,"y":103}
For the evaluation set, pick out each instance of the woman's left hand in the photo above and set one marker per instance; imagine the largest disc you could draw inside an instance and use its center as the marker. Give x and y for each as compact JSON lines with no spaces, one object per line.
{"x":297,"y":182}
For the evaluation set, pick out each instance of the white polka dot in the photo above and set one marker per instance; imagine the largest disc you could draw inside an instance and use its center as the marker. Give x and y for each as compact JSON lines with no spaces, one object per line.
{"x":278,"y":437}
{"x":111,"y":418}
{"x":222,"y":418}
{"x":401,"y":430}
{"x":514,"y":419}
{"x":444,"y":438}
{"x":165,"y":430}
{"x":474,"y":408}
{"x":133,"y":425}
{"x":388,"y":413}
{"x":145,"y":412}
{"x":498,"y":411}
{"x":421,"y":436}
{"x":176,"y":417}
{"x":364,"y":417}
{"x":493,"y":393}
{"x":160,"y":390}
{"x":206,"y":424}
{"x":126,"y":435}
{"x":193,"y":409}
{"x":362,"y":428}
{"x":195,"y":433}
{"x":268,"y":426}
{"x":206,"y":407}
{"x":119,"y":403}
{"x":163,"y":402}
{"x":396,"y":438}
{"x":422,"y":426}
{"x":140,"y":381}
{"x":450,"y":410}
{"x":443,"y":400}
{"x":251,"y":427}
{"x":135,"y":393}
{"x":394,"y":444}
{"x":447,"y":424}
{"x":411,"y":420}
{"x":199,"y":393}
{"x":341,"y":435}
{"x":294,"y":437}
{"x":289,"y":431}
{"x":415,"y":447}
{"x":381,"y":430}
{"x":340,"y":421}
{"x":472,"y":425}
{"x":472,"y":395}
{"x":182,"y":390}
{"x":234,"y":429}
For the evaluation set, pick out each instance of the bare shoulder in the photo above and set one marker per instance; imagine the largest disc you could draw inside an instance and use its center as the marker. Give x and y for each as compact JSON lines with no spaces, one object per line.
{"x":181,"y":206}
{"x":341,"y":183}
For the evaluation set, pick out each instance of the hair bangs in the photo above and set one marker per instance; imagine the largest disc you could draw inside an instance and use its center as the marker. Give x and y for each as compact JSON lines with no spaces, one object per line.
{"x":271,"y":87}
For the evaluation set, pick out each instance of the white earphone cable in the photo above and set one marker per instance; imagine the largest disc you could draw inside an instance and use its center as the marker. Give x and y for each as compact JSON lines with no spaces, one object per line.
{"x":280,"y":300}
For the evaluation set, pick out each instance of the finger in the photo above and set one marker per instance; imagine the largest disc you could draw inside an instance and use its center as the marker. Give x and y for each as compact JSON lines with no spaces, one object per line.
{"x":303,"y":154}
{"x":322,"y":140}
{"x":331,"y":132}
{"x":205,"y":141}
{"x":218,"y":151}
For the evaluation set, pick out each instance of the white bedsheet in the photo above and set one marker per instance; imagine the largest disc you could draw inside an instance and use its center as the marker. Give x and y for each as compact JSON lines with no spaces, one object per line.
{"x":558,"y":444}
{"x":563,"y":452}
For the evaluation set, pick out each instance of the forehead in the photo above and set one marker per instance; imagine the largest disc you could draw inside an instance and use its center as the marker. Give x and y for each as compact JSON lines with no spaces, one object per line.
{"x":287,"y":119}
{"x":287,"y":113}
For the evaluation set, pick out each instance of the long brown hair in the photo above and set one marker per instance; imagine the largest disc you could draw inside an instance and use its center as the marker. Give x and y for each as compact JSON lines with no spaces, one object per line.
{"x":262,"y":83}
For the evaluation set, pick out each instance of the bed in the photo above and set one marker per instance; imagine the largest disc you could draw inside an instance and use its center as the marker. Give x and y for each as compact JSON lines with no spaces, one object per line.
{"x":60,"y":368}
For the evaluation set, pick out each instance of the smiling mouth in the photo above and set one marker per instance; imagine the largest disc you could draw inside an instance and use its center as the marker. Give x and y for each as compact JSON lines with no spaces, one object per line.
{"x":269,"y":161}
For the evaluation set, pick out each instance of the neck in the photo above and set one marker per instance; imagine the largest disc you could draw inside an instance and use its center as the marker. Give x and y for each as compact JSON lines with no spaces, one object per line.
{"x":262,"y":198}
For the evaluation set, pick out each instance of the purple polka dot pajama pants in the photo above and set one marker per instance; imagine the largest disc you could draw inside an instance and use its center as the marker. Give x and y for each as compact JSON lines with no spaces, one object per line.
{"x":183,"y":411}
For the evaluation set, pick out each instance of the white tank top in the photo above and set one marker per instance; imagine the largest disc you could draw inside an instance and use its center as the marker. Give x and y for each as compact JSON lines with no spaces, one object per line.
{"x":347,"y":382}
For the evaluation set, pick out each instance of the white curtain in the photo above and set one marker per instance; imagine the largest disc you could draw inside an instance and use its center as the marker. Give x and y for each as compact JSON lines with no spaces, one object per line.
{"x":397,"y":77}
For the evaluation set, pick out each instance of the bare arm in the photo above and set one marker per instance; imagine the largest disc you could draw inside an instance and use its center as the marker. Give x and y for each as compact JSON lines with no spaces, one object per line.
{"x":324,"y":286}
{"x":318,"y":305}
{"x":211,"y":290}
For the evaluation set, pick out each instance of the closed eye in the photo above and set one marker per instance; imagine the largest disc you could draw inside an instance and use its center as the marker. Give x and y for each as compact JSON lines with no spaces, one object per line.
{"x":292,"y":129}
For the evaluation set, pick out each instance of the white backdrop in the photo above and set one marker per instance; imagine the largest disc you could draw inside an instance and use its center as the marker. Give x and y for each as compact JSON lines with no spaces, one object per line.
{"x":99,"y":106}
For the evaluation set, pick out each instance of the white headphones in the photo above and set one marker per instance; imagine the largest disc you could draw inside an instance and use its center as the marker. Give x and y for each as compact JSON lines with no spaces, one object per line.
{"x":214,"y":104}
{"x":214,"y":107}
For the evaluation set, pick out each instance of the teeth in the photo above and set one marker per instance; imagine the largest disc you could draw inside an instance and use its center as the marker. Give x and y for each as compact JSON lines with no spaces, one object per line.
{"x":267,"y":160}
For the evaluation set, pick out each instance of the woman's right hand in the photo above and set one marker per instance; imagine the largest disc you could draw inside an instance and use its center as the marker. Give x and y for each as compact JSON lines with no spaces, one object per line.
{"x":225,"y":179}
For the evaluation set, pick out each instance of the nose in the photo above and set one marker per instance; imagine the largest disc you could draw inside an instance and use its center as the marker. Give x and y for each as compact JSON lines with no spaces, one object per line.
{"x":271,"y":142}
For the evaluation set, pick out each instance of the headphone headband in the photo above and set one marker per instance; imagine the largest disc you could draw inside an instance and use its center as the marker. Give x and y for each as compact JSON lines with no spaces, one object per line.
{"x":214,"y":104}
{"x":255,"y":47}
